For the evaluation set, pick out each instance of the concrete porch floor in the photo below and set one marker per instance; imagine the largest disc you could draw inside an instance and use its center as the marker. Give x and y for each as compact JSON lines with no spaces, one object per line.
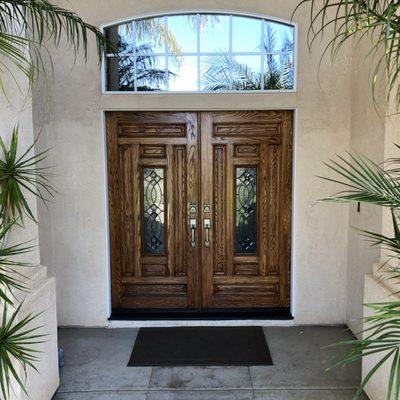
{"x":95,"y":368}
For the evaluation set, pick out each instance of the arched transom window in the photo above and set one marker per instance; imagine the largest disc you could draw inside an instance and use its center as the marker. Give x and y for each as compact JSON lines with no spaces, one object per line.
{"x":200,"y":53}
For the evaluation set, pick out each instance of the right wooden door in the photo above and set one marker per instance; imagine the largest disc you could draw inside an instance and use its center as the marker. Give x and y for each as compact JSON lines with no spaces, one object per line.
{"x":245,"y":206}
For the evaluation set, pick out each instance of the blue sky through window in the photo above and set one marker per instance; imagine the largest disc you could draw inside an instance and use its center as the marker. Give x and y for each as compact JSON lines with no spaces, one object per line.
{"x":202,"y":52}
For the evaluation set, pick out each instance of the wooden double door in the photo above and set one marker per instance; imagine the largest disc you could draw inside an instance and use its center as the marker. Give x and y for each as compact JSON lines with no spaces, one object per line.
{"x":200,"y":209}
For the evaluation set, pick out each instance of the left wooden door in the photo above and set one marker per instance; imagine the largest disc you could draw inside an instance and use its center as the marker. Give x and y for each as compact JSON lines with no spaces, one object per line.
{"x":153,"y":173}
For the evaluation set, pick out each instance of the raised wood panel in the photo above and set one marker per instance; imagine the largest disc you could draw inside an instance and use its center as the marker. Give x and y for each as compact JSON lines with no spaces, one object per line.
{"x":247,"y":129}
{"x":248,"y":151}
{"x":154,"y":270}
{"x":219,"y":208}
{"x":150,"y":151}
{"x":151,"y":130}
{"x":179,"y":200}
{"x":247,"y":269}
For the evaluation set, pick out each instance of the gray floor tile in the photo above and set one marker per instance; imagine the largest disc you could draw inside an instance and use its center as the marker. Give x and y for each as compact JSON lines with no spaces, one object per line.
{"x":300,"y":360}
{"x":101,"y":396}
{"x":201,"y":395}
{"x":200,"y":377}
{"x":96,"y":359}
{"x":336,"y":394}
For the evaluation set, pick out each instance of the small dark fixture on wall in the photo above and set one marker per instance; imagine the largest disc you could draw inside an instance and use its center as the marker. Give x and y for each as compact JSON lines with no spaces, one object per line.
{"x":358,"y":206}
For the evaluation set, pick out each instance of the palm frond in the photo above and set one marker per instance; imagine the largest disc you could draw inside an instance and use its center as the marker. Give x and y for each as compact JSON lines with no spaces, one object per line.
{"x":364,"y":181}
{"x":26,"y":25}
{"x":17,"y":348}
{"x":19,"y":175}
{"x":349,"y":19}
{"x":381,"y":338}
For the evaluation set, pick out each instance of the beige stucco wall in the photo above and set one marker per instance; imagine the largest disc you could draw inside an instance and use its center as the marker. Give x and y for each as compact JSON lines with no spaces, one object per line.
{"x":367,"y":138}
{"x":73,"y":231}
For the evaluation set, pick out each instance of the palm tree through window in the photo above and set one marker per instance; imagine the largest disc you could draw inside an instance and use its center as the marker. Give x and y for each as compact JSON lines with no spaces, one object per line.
{"x":200,"y":52}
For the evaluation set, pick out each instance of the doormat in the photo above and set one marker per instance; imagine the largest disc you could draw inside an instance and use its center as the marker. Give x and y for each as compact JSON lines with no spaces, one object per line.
{"x":200,"y":346}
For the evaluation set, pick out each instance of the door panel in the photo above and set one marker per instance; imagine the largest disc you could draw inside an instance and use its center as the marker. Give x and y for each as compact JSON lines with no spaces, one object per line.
{"x":153,"y":175}
{"x":248,"y":188}
{"x":229,"y":173}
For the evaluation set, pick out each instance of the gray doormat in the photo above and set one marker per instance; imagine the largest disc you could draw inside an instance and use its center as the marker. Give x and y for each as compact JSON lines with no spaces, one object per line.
{"x":200,"y":346}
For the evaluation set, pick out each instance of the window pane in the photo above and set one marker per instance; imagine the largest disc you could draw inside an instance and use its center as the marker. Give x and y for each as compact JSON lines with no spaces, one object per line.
{"x":246,"y":73}
{"x":120,"y":73}
{"x":182,"y":30}
{"x":153,"y":210}
{"x":215,"y":73}
{"x":278,"y":37}
{"x":246,"y":210}
{"x":183,"y":73}
{"x":151,"y":73}
{"x":121,"y":38}
{"x":151,"y":35}
{"x":214,"y":33}
{"x":279,"y":72}
{"x":246,"y":34}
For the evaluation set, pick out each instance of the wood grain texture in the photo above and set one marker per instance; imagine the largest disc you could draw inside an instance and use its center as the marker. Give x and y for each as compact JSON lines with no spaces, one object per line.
{"x":200,"y":153}
{"x":136,"y":141}
{"x":261,"y":140}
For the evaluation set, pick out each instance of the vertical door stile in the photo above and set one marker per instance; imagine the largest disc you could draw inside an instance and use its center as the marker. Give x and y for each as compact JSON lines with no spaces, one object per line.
{"x":230,"y":206}
{"x":264,"y":213}
{"x":136,"y":212}
{"x":194,"y":281}
{"x":170,"y":201}
{"x":206,"y":199}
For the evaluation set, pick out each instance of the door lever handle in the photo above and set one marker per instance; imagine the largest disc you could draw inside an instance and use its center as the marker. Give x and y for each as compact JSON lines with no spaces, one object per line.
{"x":193,"y":226}
{"x":207,"y":227}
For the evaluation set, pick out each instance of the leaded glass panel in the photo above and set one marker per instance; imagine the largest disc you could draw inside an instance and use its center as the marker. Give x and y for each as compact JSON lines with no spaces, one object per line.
{"x":246,"y":210}
{"x":153,"y":211}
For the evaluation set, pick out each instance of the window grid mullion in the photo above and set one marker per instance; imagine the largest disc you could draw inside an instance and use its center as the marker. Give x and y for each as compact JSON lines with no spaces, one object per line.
{"x":230,"y":53}
{"x":166,"y":55}
{"x":198,"y":53}
{"x":263,"y":22}
{"x":209,"y":54}
{"x":135,"y":85}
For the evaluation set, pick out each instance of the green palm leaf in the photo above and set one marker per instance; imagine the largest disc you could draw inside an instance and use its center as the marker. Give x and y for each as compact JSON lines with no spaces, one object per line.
{"x":382,"y":339}
{"x":17,"y":348}
{"x":363,"y":181}
{"x":26,"y":25}
{"x":19,"y":175}
{"x":348,"y":19}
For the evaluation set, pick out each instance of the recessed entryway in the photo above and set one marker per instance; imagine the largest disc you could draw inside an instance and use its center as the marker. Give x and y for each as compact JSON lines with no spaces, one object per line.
{"x":200,"y":210}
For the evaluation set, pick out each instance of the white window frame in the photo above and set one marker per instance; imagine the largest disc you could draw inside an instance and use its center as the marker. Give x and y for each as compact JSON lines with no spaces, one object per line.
{"x":166,"y":92}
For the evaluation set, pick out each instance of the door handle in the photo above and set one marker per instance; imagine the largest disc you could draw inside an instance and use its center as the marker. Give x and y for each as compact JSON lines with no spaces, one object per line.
{"x":207,"y":227}
{"x":193,"y":226}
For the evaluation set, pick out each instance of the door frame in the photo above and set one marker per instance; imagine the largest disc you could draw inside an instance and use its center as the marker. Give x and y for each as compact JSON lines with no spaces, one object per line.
{"x":282,"y":313}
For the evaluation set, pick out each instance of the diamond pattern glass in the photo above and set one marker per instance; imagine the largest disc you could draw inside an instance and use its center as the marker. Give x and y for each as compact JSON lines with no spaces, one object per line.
{"x":246,"y":210}
{"x":153,"y":210}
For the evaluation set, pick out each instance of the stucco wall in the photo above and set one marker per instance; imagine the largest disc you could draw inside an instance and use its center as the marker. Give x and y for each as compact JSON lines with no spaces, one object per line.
{"x":73,"y":231}
{"x":367,"y":137}
{"x":16,"y":110}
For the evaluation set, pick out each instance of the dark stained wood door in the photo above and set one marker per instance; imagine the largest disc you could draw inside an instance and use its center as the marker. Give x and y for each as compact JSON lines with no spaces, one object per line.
{"x":246,"y":177}
{"x":227,"y":173}
{"x":153,"y":177}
